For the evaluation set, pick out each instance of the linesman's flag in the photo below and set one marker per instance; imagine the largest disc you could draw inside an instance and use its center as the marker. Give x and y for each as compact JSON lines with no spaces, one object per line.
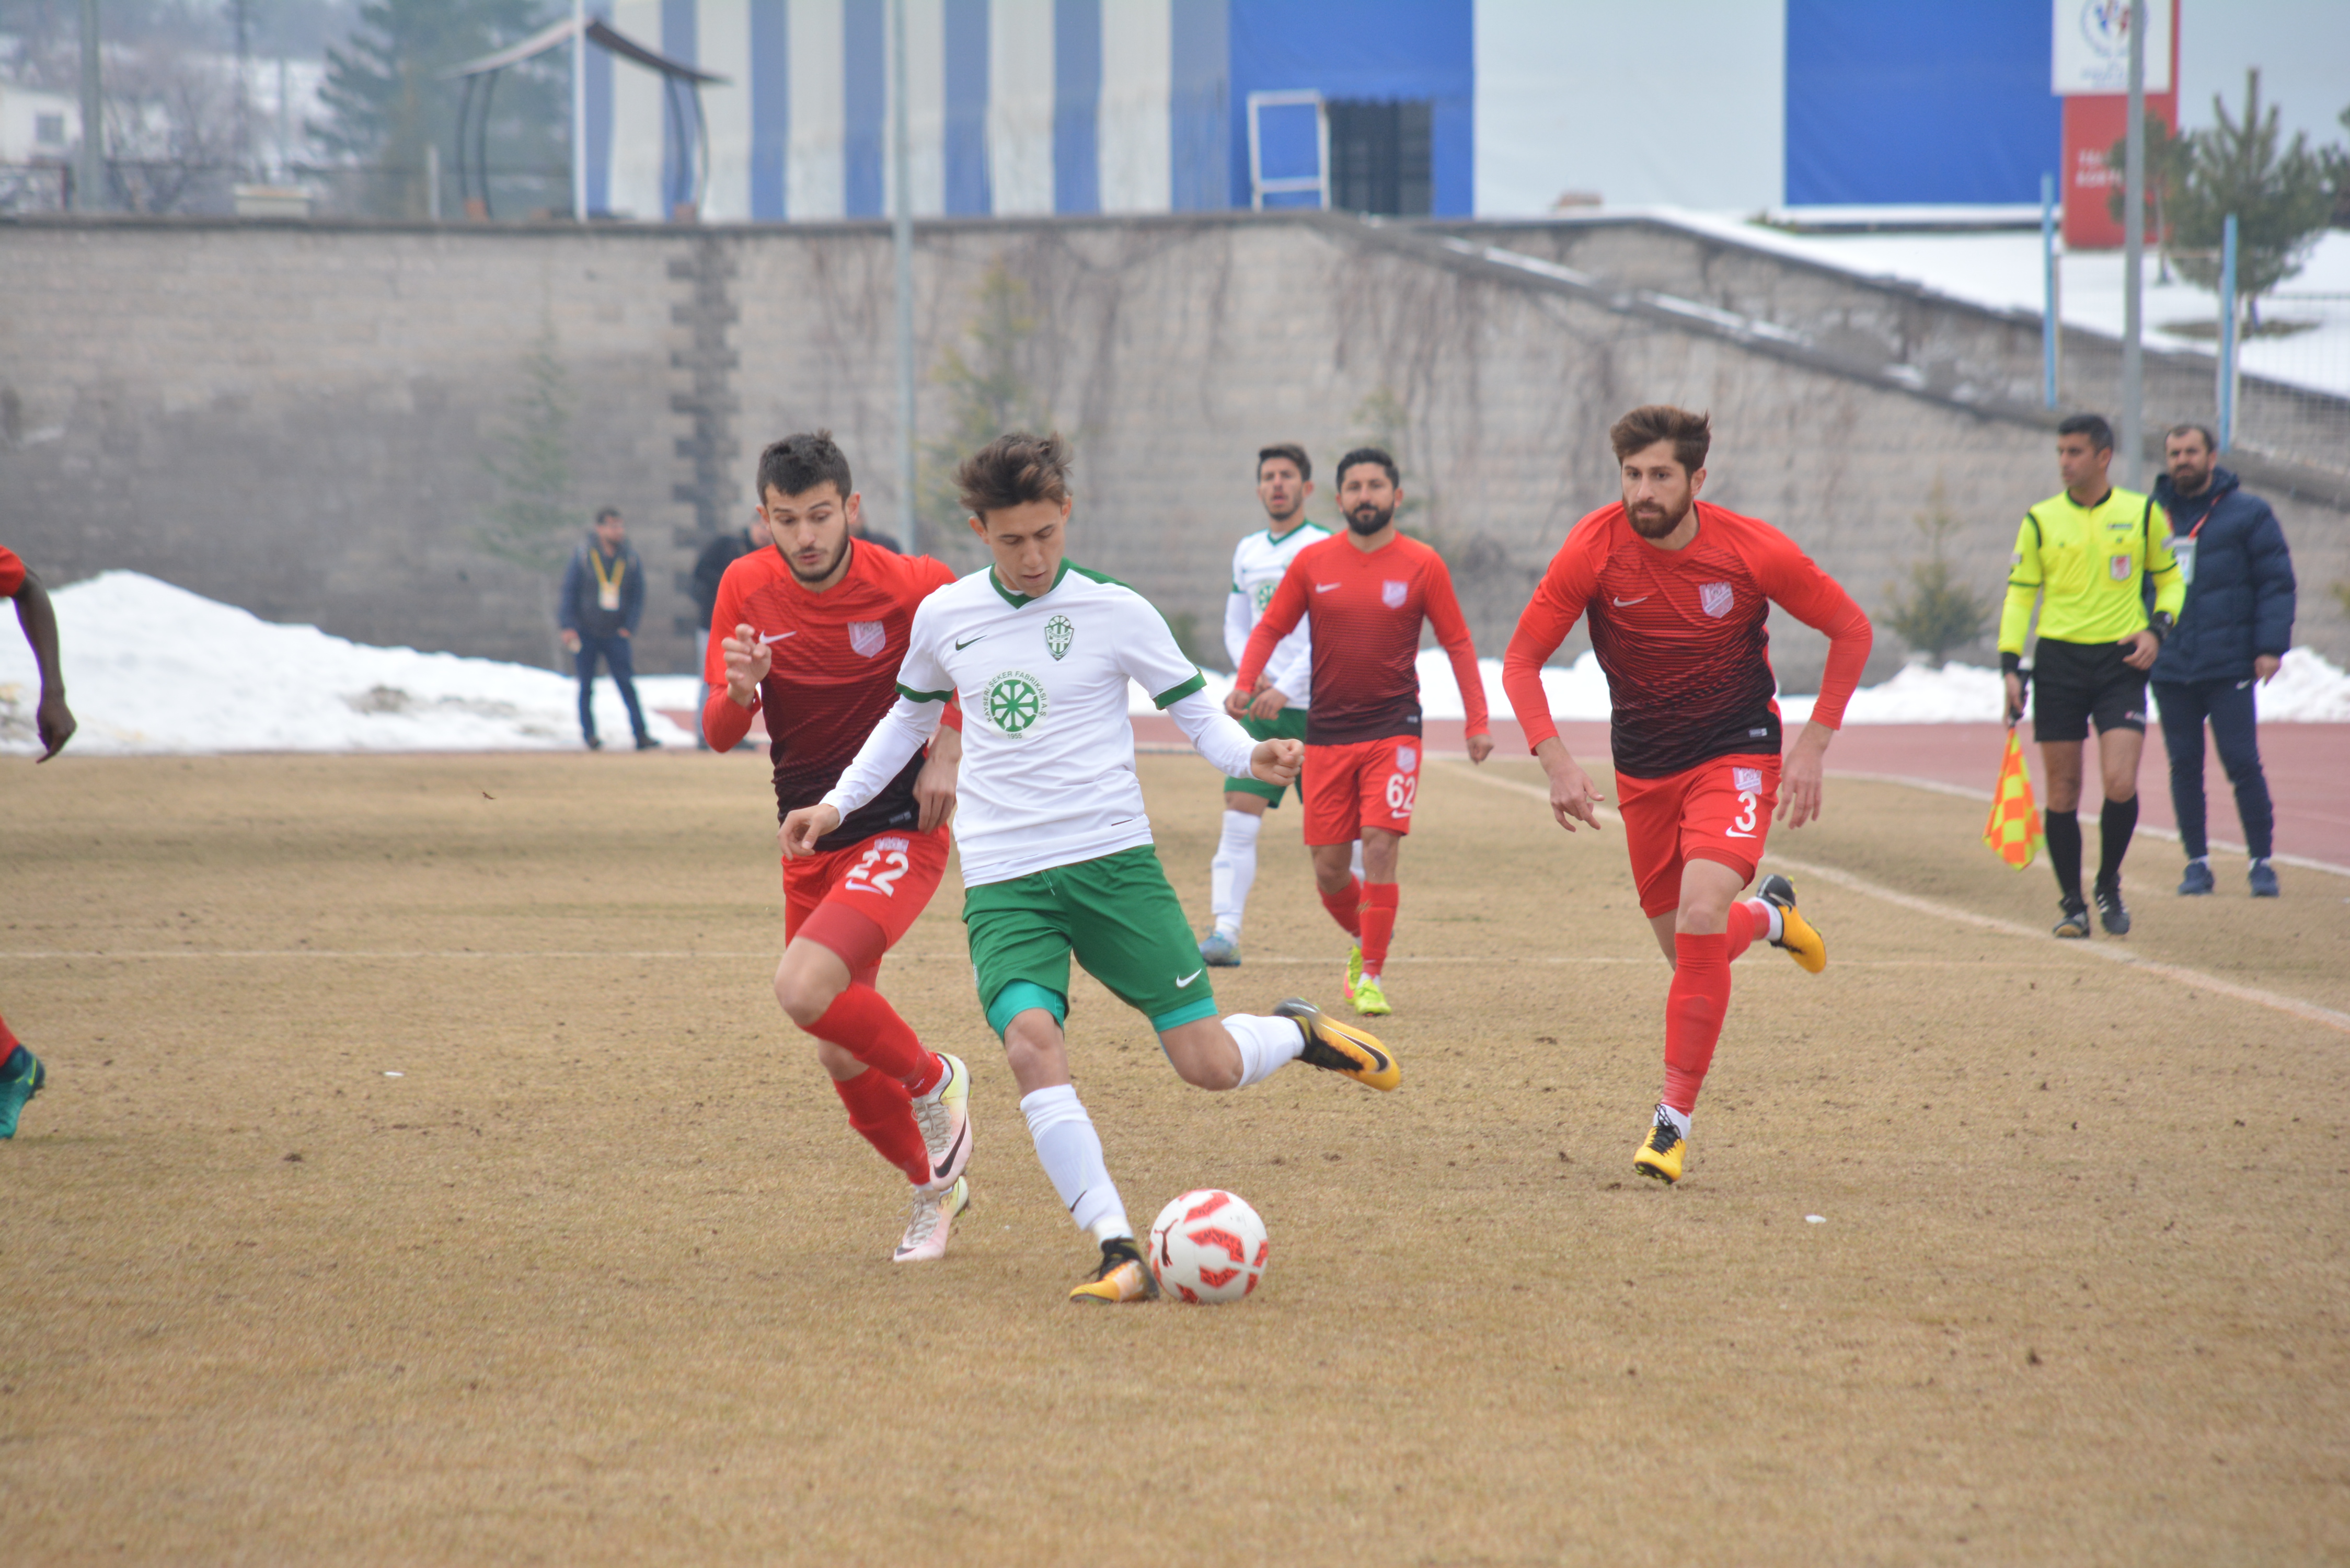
{"x":2013,"y":830}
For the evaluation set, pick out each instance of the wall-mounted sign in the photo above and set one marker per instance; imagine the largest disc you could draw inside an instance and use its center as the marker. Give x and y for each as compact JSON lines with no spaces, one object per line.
{"x":2092,"y":52}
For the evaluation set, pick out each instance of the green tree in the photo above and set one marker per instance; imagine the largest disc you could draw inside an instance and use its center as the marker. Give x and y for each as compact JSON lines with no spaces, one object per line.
{"x":531,"y":522}
{"x":2336,"y":161}
{"x":2276,"y":189}
{"x":386,"y":99}
{"x":1940,"y":613}
{"x":2166,"y":171}
{"x":989,"y":393}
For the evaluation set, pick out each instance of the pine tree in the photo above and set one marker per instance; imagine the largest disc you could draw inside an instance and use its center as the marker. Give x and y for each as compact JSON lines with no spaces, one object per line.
{"x":387,"y":101}
{"x":531,"y":522}
{"x":988,"y":391}
{"x":2278,"y":195}
{"x":1941,"y":612}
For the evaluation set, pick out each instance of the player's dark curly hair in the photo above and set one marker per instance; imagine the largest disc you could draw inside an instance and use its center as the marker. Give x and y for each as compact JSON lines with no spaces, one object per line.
{"x":1644,"y":427}
{"x":798,"y":464}
{"x":1014,"y":470}
{"x":1367,"y":455}
{"x":1290,"y":450}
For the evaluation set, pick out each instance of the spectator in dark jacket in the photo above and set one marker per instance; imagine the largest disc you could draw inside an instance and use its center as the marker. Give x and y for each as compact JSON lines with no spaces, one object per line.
{"x":603,"y":599}
{"x":708,"y":568}
{"x":2232,"y":631}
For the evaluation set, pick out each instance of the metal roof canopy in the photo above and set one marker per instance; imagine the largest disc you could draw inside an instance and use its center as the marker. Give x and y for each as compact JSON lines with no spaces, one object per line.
{"x":678,"y":81}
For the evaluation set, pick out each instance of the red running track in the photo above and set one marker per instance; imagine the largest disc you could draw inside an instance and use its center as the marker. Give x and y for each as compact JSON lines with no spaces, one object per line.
{"x":2308,"y":767}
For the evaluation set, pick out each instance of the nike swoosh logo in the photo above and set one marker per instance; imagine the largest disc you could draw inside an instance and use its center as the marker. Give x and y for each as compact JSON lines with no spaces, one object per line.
{"x":1733,"y":833}
{"x":1642,"y":599}
{"x":779,"y":637}
{"x":1190,"y":978}
{"x":939,"y":1171}
{"x":1323,"y":587}
{"x":960,"y":646}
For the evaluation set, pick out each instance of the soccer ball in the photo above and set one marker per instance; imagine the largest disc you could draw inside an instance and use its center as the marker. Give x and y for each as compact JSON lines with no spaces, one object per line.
{"x":1208,"y":1246}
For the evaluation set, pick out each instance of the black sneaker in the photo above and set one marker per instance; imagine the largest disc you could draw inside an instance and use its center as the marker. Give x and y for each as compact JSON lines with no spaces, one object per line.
{"x":594,"y":744}
{"x":2075,"y":922}
{"x":2110,"y":913}
{"x":647,"y":743}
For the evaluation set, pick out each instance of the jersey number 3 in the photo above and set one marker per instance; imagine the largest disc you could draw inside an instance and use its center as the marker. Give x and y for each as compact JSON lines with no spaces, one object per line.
{"x":866,"y":879}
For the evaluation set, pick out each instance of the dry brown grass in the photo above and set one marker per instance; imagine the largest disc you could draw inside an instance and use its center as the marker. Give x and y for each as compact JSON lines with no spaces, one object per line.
{"x":604,"y":1276}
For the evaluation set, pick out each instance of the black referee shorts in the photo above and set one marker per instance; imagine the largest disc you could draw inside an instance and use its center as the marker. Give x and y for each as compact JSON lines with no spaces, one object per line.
{"x":2073,"y":683}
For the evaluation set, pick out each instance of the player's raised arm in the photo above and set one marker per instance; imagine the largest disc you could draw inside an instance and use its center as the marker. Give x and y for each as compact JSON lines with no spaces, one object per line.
{"x":1557,"y":604}
{"x":1796,"y":582}
{"x":1280,"y":619}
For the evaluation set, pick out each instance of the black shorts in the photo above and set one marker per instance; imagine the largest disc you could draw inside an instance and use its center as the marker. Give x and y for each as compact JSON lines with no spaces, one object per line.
{"x":2073,"y":683}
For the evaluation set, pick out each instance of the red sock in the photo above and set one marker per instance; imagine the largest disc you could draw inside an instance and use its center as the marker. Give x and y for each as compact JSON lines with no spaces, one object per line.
{"x":1343,"y":907}
{"x":1750,"y":922}
{"x":1378,"y":923}
{"x":1693,"y":1013}
{"x":882,"y":1114}
{"x":861,"y":1022}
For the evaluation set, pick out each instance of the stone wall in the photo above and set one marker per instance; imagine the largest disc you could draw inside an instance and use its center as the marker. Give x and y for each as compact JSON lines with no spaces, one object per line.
{"x":296,"y":418}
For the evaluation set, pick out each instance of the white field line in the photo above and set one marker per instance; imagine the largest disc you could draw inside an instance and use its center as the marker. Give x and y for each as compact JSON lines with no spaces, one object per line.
{"x":2169,"y":834}
{"x":52,"y":955}
{"x":2197,"y":979}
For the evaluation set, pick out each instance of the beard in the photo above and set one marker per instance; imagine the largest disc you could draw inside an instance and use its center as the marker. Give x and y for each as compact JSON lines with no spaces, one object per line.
{"x":1653,"y":525}
{"x":829,"y":566}
{"x":1367,"y":520}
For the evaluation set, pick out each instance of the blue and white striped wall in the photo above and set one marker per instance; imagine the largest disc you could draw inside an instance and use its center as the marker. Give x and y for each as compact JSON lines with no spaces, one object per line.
{"x":1014,"y":107}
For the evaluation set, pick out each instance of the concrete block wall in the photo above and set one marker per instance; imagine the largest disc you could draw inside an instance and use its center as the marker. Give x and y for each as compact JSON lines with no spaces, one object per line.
{"x":294,"y":417}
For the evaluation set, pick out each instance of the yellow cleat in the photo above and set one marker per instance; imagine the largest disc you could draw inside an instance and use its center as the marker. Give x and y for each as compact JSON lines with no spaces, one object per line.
{"x":1797,"y":935}
{"x":1338,"y":1048}
{"x":1371,"y":999}
{"x":1122,"y":1277}
{"x":1659,"y":1155}
{"x":1355,"y":966}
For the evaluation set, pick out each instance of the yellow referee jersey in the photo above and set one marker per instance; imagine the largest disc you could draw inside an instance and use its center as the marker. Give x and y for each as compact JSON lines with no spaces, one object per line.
{"x":2091,"y":563}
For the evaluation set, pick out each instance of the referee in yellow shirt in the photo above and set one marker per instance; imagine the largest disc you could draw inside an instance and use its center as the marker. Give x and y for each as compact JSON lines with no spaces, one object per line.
{"x":2085,"y":556}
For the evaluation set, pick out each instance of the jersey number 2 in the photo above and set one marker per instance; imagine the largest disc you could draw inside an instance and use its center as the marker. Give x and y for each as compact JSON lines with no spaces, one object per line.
{"x":866,"y":879}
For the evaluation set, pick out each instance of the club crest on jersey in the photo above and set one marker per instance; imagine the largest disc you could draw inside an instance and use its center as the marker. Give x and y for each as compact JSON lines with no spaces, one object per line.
{"x":1714,"y":598}
{"x":1391,"y":593}
{"x":1746,"y":778}
{"x":1014,"y":700}
{"x":1058,"y":634}
{"x":2119,"y":565}
{"x":869,"y":638}
{"x":1264,"y":596}
{"x":1407,"y":758}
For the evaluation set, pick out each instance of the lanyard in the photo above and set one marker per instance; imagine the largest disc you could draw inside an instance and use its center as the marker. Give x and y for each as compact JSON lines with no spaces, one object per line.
{"x":619,"y":569}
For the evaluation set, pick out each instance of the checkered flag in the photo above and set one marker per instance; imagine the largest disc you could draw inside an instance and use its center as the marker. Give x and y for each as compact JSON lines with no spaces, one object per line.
{"x":2013,"y":831}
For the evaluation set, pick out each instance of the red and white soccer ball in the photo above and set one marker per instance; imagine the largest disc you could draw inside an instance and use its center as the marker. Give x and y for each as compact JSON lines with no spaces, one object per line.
{"x":1208,"y":1246}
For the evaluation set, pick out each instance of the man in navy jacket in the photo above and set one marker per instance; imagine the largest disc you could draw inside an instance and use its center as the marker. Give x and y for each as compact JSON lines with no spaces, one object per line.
{"x":2233,"y":630}
{"x":603,"y":599}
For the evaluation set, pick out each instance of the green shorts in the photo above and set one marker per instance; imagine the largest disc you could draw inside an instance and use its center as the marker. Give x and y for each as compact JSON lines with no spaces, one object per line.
{"x":1289,"y":724}
{"x":1119,"y":916}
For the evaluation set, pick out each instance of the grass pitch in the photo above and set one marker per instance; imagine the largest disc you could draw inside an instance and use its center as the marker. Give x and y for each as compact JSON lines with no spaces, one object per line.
{"x":603,"y":1275}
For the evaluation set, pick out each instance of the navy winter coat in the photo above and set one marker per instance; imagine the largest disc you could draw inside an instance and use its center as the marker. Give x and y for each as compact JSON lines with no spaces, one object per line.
{"x":2241,"y":602}
{"x":580,"y":610}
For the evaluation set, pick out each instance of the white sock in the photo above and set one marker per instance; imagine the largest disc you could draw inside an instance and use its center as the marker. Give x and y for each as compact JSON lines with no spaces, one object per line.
{"x":1233,"y":870}
{"x":2206,"y":860}
{"x":1267,"y":1044}
{"x":1775,"y":919}
{"x":1071,"y":1153}
{"x":1680,"y":1119}
{"x":1357,"y":860}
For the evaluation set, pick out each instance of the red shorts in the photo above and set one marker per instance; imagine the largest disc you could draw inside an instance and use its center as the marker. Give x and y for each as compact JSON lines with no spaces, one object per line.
{"x":1718,"y":810}
{"x":860,"y":900}
{"x":1364,"y":784}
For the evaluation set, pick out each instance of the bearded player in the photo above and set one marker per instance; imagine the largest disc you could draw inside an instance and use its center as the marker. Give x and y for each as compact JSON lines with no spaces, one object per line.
{"x":818,"y":626}
{"x":1678,"y":592}
{"x":1366,"y":591}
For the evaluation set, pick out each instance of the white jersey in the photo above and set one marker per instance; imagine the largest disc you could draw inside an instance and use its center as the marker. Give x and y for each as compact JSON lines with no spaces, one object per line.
{"x":1047,"y":776}
{"x":1259,"y":562}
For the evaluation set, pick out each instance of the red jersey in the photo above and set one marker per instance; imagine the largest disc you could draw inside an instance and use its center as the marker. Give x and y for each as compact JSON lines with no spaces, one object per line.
{"x":12,"y":572}
{"x":1680,"y":634}
{"x":835,"y":672}
{"x":1366,"y":610}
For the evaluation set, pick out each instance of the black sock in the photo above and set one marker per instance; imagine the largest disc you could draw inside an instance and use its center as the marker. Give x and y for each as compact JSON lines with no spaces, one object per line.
{"x":2063,"y":831}
{"x":2115,"y":825}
